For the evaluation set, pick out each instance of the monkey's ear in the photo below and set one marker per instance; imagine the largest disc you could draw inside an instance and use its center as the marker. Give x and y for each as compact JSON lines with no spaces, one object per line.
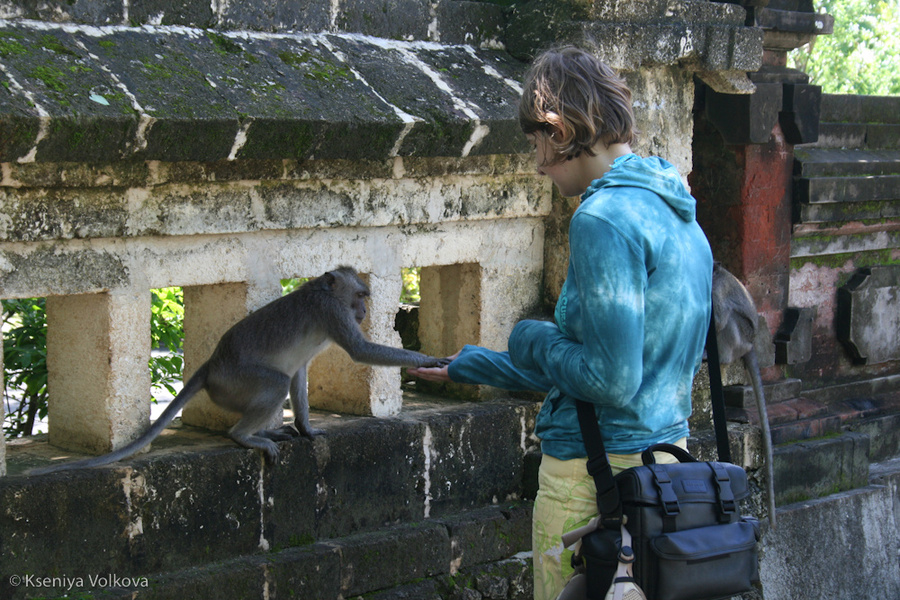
{"x":328,"y":279}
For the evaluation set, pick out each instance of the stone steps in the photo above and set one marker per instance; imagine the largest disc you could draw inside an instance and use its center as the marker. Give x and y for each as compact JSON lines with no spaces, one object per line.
{"x":822,"y":446}
{"x":852,"y":173}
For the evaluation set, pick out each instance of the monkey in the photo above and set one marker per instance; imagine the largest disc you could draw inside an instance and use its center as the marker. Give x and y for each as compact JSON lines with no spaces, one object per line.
{"x":736,"y":322}
{"x":264,"y":357}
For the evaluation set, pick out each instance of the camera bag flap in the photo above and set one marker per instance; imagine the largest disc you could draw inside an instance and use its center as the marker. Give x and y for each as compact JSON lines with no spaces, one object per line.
{"x":684,"y":495}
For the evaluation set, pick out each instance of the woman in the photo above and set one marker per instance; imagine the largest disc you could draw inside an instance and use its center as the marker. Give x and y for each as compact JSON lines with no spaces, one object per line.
{"x":632,"y":316}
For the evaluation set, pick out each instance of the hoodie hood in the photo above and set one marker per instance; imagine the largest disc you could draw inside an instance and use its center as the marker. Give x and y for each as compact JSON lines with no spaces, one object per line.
{"x":654,"y":174}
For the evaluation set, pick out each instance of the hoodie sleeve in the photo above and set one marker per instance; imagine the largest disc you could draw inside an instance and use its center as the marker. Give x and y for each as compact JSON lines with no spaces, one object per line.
{"x":606,"y":366}
{"x":482,"y":366}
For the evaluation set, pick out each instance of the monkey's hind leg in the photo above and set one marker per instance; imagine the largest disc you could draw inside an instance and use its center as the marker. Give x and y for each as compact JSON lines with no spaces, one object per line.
{"x":249,"y":432}
{"x":258,"y":394}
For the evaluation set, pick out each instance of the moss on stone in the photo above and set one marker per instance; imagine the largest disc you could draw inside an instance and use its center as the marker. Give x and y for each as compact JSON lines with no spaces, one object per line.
{"x":51,"y":43}
{"x":10,"y":44}
{"x":314,"y":67}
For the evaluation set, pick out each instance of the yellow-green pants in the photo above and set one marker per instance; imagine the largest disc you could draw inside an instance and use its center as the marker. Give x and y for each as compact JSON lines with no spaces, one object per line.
{"x":566,"y":500}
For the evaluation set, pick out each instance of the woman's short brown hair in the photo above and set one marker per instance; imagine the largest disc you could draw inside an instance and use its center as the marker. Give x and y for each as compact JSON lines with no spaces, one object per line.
{"x":577,"y":101}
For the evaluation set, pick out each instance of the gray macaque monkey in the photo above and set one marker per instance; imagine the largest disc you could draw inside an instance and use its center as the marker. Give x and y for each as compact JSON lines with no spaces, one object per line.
{"x":736,"y":322}
{"x":264,"y":357}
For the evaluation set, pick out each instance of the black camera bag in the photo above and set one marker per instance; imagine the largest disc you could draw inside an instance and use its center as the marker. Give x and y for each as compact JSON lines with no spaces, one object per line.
{"x":688,"y":539}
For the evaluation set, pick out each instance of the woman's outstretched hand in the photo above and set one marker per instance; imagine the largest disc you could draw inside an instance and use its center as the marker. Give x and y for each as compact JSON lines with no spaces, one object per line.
{"x":438,"y":374}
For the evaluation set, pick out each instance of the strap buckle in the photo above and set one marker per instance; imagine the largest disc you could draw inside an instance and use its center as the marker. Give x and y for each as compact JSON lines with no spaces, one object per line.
{"x":667,"y":497}
{"x":727,"y":503}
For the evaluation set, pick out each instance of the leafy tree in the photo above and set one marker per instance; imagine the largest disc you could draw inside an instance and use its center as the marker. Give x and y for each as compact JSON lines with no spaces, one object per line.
{"x":24,"y":363}
{"x":862,"y":56}
{"x":167,"y":332}
{"x":410,"y":292}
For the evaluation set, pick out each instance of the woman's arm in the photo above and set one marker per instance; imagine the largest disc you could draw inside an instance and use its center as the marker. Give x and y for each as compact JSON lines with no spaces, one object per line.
{"x":610,"y":276}
{"x":477,"y":365}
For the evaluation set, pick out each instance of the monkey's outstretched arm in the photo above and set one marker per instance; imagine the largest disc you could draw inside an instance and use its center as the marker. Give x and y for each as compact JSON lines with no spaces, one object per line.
{"x":193,"y":385}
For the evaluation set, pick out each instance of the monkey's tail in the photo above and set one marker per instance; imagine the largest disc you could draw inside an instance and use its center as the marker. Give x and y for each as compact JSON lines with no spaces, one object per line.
{"x":752,"y":366}
{"x":193,"y":385}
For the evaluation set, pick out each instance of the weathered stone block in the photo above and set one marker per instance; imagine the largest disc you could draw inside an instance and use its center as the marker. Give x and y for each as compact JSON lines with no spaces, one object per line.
{"x":813,"y":469}
{"x":880,"y":109}
{"x":376,"y":560}
{"x":97,"y":12}
{"x":390,"y":453}
{"x":793,"y":342}
{"x":746,"y":118}
{"x":868,"y":315}
{"x":289,"y":495}
{"x":884,"y":435}
{"x":487,"y":535}
{"x":510,"y":579}
{"x":883,"y":136}
{"x":310,"y":572}
{"x":815,"y":537}
{"x":450,"y":311}
{"x":63,"y":81}
{"x":63,"y":507}
{"x":181,"y":511}
{"x":202,"y":95}
{"x":742,"y":395}
{"x":456,"y":477}
{"x":799,"y":117}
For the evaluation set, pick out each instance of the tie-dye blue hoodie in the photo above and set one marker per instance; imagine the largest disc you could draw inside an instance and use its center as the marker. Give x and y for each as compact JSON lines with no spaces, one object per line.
{"x":630,"y":323}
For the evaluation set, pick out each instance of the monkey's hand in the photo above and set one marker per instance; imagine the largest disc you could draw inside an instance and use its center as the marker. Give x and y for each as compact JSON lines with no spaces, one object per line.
{"x":433,"y":362}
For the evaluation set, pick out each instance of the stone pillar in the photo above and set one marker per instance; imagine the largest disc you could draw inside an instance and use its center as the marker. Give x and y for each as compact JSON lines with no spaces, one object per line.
{"x":450,"y":308}
{"x":743,"y":157}
{"x":744,"y":206}
{"x":450,"y":312}
{"x":98,"y":349}
{"x":338,"y":384}
{"x":209,"y":311}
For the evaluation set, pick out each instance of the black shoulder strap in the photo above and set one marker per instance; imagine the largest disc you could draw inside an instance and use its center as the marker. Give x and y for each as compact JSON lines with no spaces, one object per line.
{"x":598,"y":465}
{"x":608,"y":503}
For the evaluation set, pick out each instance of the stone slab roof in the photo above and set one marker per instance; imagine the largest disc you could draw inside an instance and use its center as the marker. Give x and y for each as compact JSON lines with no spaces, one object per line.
{"x":71,"y":92}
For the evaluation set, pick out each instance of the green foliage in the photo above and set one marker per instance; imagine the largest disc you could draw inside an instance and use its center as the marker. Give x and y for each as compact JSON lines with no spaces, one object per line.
{"x":863,"y":53}
{"x":410,"y":293}
{"x":167,"y":331}
{"x":289,"y":285}
{"x":24,"y":363}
